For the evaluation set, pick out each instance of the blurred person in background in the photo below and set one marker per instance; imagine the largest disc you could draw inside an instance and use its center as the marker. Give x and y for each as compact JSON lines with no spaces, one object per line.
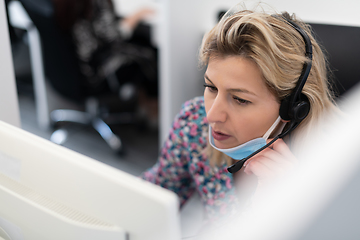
{"x":254,"y":61}
{"x":112,"y":51}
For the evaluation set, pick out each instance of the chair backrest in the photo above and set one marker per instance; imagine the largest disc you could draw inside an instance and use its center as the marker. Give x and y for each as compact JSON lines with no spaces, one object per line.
{"x":59,"y":57}
{"x":342,"y":46}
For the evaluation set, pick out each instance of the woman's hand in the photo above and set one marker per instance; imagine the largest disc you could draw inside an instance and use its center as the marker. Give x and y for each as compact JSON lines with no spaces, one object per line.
{"x":269,"y":166}
{"x":133,"y":20}
{"x":272,"y":163}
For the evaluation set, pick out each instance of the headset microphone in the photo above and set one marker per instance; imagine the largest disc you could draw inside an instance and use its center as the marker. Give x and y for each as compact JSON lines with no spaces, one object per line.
{"x":293,"y":108}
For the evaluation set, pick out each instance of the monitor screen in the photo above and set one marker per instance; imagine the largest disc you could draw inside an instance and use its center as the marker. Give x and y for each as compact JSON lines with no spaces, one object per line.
{"x":50,"y":192}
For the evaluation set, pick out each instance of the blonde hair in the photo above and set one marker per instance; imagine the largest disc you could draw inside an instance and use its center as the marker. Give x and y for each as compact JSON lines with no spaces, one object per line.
{"x":279,"y":52}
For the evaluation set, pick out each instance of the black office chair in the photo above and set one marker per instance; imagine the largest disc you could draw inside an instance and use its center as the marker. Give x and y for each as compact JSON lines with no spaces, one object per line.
{"x":63,"y":73}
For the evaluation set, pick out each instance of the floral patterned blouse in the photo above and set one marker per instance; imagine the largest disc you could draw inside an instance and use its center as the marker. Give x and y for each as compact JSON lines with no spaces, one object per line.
{"x":184,"y":167}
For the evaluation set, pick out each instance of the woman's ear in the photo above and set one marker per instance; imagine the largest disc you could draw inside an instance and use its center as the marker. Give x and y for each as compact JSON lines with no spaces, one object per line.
{"x":285,"y":121}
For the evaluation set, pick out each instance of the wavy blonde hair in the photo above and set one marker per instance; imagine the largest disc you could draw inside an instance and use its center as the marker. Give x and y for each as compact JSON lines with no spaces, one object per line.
{"x":279,"y":52}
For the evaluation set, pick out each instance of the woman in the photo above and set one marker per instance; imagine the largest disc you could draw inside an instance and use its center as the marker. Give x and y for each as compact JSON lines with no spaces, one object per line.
{"x":254,"y":61}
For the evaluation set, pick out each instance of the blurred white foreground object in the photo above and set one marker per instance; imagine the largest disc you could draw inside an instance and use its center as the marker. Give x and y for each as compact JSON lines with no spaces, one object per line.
{"x":50,"y":192}
{"x":320,"y":201}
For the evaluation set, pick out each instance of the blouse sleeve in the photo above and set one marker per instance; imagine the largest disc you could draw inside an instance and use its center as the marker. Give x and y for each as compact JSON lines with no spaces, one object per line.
{"x":172,"y":168}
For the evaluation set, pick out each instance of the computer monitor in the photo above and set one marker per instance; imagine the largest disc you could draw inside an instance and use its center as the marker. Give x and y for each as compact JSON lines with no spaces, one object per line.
{"x":50,"y":192}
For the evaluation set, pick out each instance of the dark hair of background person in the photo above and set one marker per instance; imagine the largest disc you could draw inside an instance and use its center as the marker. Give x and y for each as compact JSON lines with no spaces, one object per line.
{"x":73,"y":10}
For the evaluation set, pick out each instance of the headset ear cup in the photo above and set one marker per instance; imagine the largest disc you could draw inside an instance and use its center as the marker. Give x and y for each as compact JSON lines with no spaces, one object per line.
{"x":297,"y":112}
{"x":300,"y":111}
{"x":284,"y":109}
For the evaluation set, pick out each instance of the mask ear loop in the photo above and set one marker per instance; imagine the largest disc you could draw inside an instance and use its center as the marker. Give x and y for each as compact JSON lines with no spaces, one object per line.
{"x":272,"y":128}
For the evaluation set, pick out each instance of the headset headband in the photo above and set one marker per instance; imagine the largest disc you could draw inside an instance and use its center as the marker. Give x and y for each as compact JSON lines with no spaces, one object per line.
{"x":296,"y":106}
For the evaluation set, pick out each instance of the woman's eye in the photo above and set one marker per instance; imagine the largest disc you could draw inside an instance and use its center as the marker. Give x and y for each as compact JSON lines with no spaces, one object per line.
{"x":211,"y":88}
{"x":241,"y":101}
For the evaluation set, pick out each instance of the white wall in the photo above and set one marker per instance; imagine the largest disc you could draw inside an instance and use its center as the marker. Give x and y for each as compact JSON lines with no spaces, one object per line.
{"x":126,"y":7}
{"x":181,"y":27}
{"x":9,"y":107}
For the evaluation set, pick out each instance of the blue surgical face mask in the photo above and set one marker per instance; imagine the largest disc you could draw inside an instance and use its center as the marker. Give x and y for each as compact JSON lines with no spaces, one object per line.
{"x":247,"y":148}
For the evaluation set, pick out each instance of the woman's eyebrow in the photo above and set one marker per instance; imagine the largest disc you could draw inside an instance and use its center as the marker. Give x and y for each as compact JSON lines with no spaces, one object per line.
{"x":207,"y":78}
{"x":241,"y":90}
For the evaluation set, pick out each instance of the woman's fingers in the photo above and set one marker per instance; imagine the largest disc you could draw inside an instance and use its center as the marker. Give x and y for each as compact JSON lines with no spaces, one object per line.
{"x":271,"y":162}
{"x":281,"y":147}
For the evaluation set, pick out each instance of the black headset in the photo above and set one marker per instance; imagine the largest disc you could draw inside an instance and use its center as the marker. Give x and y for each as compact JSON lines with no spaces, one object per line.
{"x":294,"y":107}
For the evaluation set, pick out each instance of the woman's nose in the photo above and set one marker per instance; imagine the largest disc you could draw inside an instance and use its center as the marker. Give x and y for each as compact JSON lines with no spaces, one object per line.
{"x":217,"y":111}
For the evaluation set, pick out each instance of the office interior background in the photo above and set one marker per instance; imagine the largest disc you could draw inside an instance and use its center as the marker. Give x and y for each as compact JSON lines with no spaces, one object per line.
{"x":177,"y":31}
